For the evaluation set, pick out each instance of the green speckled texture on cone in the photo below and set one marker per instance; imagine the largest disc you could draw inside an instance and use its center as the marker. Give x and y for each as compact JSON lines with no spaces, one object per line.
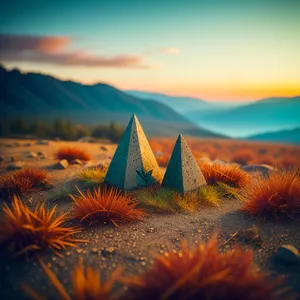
{"x":133,"y":153}
{"x":183,"y":173}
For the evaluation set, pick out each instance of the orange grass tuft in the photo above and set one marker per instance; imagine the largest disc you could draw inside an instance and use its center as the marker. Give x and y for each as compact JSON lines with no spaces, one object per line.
{"x":203,"y":273}
{"x":105,"y":205}
{"x":243,"y":156}
{"x":23,"y":181}
{"x":276,"y":196}
{"x":231,"y":175}
{"x":86,"y":284}
{"x":24,"y":230}
{"x":71,"y":153}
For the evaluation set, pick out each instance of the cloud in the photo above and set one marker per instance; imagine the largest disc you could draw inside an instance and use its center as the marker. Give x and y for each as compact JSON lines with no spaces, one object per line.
{"x":171,"y":50}
{"x":54,"y":50}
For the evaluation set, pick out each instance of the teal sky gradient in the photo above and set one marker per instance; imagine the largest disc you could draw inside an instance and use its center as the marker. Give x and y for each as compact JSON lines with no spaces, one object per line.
{"x":226,"y":50}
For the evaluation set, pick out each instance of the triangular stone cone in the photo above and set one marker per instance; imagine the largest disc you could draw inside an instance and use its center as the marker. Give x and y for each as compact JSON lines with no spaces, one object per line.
{"x":183,"y":173}
{"x":133,"y":153}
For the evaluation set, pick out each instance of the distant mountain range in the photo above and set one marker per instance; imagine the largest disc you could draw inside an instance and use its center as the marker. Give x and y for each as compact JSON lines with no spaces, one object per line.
{"x":185,"y":105}
{"x":284,"y":136}
{"x":272,"y":114}
{"x":179,"y":104}
{"x":44,"y":97}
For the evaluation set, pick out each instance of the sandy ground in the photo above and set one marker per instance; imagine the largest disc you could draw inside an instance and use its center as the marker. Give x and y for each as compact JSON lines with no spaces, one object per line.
{"x":134,"y":246}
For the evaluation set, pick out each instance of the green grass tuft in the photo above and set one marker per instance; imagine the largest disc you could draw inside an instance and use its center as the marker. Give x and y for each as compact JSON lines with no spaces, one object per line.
{"x":93,"y":175}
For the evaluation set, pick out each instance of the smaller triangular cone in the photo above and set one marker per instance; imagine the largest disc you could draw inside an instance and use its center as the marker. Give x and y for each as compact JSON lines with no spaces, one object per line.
{"x":132,"y":157}
{"x":183,"y":173}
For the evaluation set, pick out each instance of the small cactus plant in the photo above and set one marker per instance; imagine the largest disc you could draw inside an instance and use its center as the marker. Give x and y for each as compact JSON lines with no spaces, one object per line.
{"x":145,"y":175}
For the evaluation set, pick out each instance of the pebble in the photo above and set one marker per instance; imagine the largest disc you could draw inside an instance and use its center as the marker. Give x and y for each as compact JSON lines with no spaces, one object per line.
{"x":287,"y":254}
{"x":42,"y":142}
{"x":108,"y":251}
{"x":63,"y":164}
{"x":15,"y":166}
{"x":76,"y":162}
{"x":32,"y":155}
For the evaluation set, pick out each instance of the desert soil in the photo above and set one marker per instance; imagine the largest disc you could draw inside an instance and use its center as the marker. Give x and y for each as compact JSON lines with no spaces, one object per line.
{"x":133,"y":246}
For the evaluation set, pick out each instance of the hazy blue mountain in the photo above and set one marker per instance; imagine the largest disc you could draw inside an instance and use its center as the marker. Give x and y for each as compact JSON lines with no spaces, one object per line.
{"x":285,"y":136}
{"x":179,"y":104}
{"x":40,"y":96}
{"x":272,"y":114}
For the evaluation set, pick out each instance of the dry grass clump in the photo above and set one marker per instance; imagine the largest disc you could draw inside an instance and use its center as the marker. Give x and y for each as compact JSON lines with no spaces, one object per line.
{"x":105,"y":205}
{"x":86,"y":284}
{"x":93,"y":175}
{"x":21,"y":182}
{"x":164,"y":200}
{"x":277,"y":196}
{"x":203,"y":273}
{"x":159,"y":200}
{"x":243,"y":156}
{"x":231,"y":175}
{"x":71,"y":153}
{"x":24,"y":230}
{"x":209,"y":195}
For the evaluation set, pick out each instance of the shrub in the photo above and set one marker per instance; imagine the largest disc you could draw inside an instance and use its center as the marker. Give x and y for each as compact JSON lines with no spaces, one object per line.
{"x":229,"y":174}
{"x":243,"y":156}
{"x":203,"y":273}
{"x":105,"y":205}
{"x":276,"y":196}
{"x":86,"y":284}
{"x":93,"y":175}
{"x":71,"y":153}
{"x":20,"y":182}
{"x":25,"y":230}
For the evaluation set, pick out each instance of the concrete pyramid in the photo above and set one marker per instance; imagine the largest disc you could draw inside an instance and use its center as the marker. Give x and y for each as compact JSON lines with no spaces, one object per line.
{"x":134,"y":164}
{"x":183,"y":173}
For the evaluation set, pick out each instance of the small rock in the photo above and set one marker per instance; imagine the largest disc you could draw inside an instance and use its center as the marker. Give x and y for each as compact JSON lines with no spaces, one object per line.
{"x":63,"y":164}
{"x":104,"y":148}
{"x":32,"y":155}
{"x":108,"y":251}
{"x":76,"y":162}
{"x":27,"y":144}
{"x":94,"y":250}
{"x":12,"y":159}
{"x":287,"y":254}
{"x":2,"y":159}
{"x":15,"y":166}
{"x":41,"y":155}
{"x":42,"y":142}
{"x":263,"y":169}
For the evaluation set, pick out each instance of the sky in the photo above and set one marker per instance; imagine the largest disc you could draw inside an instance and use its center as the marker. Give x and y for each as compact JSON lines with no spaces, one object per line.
{"x":216,"y":50}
